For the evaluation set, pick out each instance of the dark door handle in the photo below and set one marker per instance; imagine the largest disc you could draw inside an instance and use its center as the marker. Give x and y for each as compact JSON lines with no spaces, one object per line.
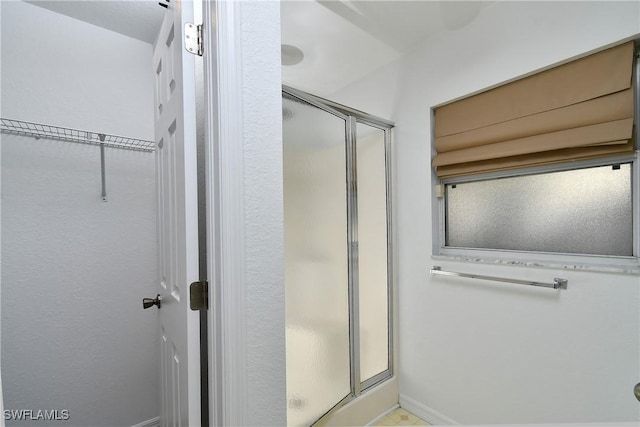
{"x":150,"y":302}
{"x":636,"y":391}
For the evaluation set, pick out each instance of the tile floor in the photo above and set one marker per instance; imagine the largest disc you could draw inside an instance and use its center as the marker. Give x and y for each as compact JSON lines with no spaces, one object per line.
{"x":401,"y":417}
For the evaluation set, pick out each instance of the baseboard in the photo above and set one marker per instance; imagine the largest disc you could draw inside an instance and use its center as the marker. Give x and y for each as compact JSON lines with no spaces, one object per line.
{"x":435,"y":418}
{"x":379,"y":418}
{"x":153,"y":422}
{"x":431,"y":416}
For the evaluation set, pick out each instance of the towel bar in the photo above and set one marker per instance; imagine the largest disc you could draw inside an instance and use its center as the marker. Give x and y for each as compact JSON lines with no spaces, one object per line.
{"x":557,"y":282}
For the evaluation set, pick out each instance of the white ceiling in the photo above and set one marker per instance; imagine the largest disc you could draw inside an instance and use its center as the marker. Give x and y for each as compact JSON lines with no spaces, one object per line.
{"x":140,"y":19}
{"x":342,"y":40}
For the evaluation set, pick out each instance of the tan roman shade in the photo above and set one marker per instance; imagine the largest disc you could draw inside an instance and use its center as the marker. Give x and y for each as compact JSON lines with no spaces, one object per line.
{"x":580,"y":110}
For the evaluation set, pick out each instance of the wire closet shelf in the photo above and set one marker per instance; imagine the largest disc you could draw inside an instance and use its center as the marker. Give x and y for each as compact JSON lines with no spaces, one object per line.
{"x":39,"y":130}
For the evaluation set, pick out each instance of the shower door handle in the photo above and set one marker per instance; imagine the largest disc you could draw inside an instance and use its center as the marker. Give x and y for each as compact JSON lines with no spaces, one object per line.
{"x":150,"y":302}
{"x":636,"y":391}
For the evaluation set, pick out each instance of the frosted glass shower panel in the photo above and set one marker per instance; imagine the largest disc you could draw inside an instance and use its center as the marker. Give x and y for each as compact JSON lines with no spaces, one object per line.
{"x":583,"y":211}
{"x":316,"y":261}
{"x":372,"y":243}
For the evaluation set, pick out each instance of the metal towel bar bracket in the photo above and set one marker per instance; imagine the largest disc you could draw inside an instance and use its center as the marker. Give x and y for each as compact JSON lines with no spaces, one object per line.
{"x":557,"y":282}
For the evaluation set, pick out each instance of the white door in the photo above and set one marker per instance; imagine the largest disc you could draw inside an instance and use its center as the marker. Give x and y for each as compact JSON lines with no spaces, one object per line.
{"x":175,"y":133}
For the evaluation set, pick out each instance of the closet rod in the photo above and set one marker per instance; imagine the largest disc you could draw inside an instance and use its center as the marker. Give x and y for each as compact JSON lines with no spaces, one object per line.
{"x":557,"y":282}
{"x":39,"y":130}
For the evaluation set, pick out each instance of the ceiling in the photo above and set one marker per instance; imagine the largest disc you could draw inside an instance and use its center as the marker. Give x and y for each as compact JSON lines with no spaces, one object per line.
{"x":340,"y":41}
{"x":140,"y":19}
{"x":343,"y":41}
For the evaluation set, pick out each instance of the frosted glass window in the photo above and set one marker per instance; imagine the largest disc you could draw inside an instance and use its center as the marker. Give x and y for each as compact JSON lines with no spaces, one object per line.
{"x":316,"y":261}
{"x":372,"y":259}
{"x":584,"y":211}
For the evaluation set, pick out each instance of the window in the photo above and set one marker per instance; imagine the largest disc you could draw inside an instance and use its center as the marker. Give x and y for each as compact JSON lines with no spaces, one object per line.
{"x":583,"y":211}
{"x":546,"y":164}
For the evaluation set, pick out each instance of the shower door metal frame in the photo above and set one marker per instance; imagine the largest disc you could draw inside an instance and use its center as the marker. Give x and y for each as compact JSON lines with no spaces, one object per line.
{"x":352,"y":117}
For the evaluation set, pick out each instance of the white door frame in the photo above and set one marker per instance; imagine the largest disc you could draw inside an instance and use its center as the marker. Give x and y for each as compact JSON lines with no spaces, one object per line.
{"x":225,"y":214}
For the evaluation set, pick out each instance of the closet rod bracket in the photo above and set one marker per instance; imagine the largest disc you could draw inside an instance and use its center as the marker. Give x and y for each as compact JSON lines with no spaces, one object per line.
{"x":103,"y":174}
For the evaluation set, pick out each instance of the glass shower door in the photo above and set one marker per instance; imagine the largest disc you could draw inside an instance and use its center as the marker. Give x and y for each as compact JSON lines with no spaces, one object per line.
{"x":316,"y":260}
{"x":373,"y":254}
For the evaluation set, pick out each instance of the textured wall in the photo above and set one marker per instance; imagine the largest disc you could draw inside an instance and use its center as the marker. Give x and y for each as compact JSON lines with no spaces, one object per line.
{"x":262,"y":117}
{"x":69,"y":73}
{"x":487,"y":353}
{"x":74,"y":269}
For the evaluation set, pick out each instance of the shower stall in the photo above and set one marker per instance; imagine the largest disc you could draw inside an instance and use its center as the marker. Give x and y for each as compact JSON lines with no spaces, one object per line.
{"x":338,"y":255}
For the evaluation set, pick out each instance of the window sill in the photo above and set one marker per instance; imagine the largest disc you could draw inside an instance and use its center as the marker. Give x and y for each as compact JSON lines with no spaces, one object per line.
{"x":630,"y":266}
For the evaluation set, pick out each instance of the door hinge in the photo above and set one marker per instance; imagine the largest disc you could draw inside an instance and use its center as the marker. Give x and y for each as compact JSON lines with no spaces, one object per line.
{"x":193,"y":39}
{"x":199,"y":295}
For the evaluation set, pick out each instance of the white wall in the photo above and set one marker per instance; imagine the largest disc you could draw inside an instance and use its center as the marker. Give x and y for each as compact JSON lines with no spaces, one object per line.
{"x":2,"y":423}
{"x":74,"y":335}
{"x":263,"y":216}
{"x":484,"y":353}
